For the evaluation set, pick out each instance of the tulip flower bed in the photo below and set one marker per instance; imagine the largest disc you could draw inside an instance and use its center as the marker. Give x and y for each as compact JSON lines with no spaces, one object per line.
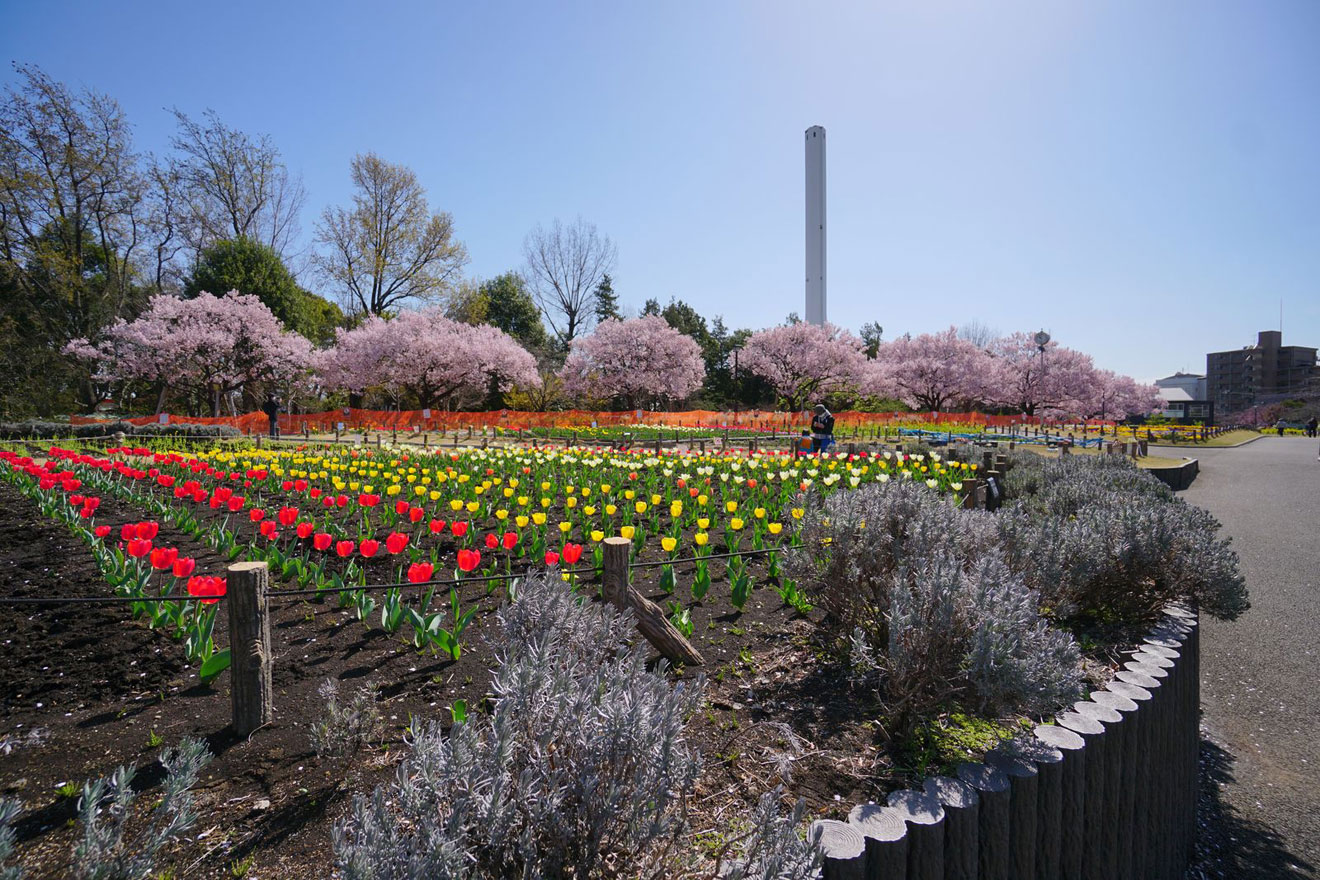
{"x":331,"y":520}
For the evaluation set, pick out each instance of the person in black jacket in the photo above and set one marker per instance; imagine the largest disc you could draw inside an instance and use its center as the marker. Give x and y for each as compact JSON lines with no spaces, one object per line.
{"x":272,"y":410}
{"x":822,"y":429}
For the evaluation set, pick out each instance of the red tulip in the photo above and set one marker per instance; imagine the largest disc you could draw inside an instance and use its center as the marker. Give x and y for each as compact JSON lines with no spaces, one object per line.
{"x":492,"y":542}
{"x":75,"y":500}
{"x":139,"y":547}
{"x":287,"y":485}
{"x":328,"y":501}
{"x":369,"y":547}
{"x":341,"y":501}
{"x":510,"y":540}
{"x":420,"y":572}
{"x":163,"y":558}
{"x":551,"y":558}
{"x":315,"y":493}
{"x":365,"y":500}
{"x":207,"y":588}
{"x":437,"y":526}
{"x":415,"y":514}
{"x":459,"y":529}
{"x":128,"y":532}
{"x":287,"y":516}
{"x":304,"y":529}
{"x":256,"y":514}
{"x":401,"y":507}
{"x":87,"y":512}
{"x":322,"y":541}
{"x":395,"y":542}
{"x":147,"y":530}
{"x":299,"y":485}
{"x":270,"y":530}
{"x":101,"y":531}
{"x":572,"y":553}
{"x":344,"y":548}
{"x":235,"y":503}
{"x":184,"y":566}
{"x":468,"y":560}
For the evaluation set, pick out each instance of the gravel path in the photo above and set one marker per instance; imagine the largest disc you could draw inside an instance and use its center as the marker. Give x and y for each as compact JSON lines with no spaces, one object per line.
{"x":1260,"y":674}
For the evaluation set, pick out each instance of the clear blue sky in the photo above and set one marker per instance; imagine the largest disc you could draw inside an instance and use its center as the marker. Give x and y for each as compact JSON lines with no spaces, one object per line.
{"x":1138,"y":178}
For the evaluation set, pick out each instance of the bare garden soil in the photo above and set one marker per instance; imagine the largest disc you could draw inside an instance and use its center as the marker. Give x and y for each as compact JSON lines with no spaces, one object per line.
{"x":107,"y":691}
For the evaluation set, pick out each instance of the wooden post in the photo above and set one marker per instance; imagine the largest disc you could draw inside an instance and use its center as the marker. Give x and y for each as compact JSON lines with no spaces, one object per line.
{"x":1023,"y":811}
{"x":961,"y":837}
{"x":842,"y":847}
{"x":992,"y":826}
{"x":925,"y":819}
{"x":651,"y":619}
{"x":885,"y":835}
{"x":249,"y":646}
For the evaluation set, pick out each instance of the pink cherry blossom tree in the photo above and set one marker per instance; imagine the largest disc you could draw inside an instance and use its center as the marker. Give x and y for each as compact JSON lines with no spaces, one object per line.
{"x":803,"y":361}
{"x":1114,"y":396}
{"x":931,"y":370}
{"x":425,"y":354}
{"x":1059,"y":381}
{"x":635,"y":360}
{"x":211,"y":345}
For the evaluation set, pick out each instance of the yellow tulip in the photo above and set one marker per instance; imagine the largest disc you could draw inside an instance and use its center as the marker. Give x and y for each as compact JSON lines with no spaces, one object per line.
{"x":640,"y":507}
{"x":597,"y":535}
{"x":630,"y":494}
{"x":797,"y":512}
{"x":520,"y":521}
{"x":676,"y":509}
{"x":701,"y":538}
{"x":565,"y":527}
{"x":501,"y":515}
{"x":731,"y":506}
{"x":570,"y":502}
{"x":668,"y":544}
{"x":628,"y":532}
{"x":759,"y":513}
{"x":473,"y":507}
{"x":703,"y":523}
{"x":589,"y":510}
{"x":702,"y":499}
{"x":656,"y":499}
{"x":610,"y":510}
{"x":776,"y":528}
{"x":538,"y":518}
{"x":736,"y":524}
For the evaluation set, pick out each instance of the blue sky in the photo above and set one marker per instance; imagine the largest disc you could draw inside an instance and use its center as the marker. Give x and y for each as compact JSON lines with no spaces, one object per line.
{"x":1139,"y":178}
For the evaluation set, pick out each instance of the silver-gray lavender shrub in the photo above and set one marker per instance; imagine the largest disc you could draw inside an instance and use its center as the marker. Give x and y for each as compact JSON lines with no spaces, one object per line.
{"x":774,"y":847}
{"x":103,"y":852}
{"x":924,"y":607}
{"x":1100,"y":539}
{"x":580,"y":770}
{"x":9,"y":810}
{"x":346,"y":726}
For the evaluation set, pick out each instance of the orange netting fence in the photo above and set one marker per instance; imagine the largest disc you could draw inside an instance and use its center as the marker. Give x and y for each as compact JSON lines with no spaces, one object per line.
{"x":438,"y":420}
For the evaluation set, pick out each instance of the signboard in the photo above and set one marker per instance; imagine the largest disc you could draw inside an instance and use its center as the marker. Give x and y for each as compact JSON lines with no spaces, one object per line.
{"x":593,"y":423}
{"x":639,"y":415}
{"x":164,"y":418}
{"x":339,"y":426}
{"x":426,"y":413}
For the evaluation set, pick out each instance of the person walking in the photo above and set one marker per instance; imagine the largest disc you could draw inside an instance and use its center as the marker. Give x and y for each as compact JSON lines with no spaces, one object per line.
{"x":822,"y":429}
{"x":1311,"y":426}
{"x":272,"y":410}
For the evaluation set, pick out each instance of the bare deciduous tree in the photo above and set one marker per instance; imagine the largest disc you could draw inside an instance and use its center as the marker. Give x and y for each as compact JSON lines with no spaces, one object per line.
{"x":234,"y":186}
{"x":565,"y":264}
{"x":387,"y":248}
{"x":978,"y":334}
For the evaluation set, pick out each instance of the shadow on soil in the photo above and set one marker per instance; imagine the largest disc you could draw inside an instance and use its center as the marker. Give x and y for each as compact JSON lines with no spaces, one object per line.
{"x":1230,"y":846}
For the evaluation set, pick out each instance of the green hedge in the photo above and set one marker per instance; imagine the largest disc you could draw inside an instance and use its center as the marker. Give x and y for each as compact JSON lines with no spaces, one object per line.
{"x":35,"y":430}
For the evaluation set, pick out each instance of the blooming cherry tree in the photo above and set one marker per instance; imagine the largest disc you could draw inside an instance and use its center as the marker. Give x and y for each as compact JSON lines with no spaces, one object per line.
{"x":208,"y":344}
{"x":931,"y":370}
{"x":1115,"y":396}
{"x":802,"y":361}
{"x":635,"y":360}
{"x":427,"y":354}
{"x":1061,"y":380}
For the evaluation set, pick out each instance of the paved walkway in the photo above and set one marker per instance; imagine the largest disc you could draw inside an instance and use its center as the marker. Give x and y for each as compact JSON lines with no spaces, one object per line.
{"x":1260,"y":674}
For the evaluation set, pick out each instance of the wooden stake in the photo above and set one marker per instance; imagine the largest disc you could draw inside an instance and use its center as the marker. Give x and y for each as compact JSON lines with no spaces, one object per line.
{"x":651,"y":619}
{"x":249,"y":646}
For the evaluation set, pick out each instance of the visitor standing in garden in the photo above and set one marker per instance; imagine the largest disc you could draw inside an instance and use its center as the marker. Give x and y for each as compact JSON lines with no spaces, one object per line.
{"x":272,"y":410}
{"x":822,"y":429}
{"x":1311,"y":426}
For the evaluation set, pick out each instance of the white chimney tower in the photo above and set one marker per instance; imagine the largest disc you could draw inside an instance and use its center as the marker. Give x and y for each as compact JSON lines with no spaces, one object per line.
{"x":816,"y":225}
